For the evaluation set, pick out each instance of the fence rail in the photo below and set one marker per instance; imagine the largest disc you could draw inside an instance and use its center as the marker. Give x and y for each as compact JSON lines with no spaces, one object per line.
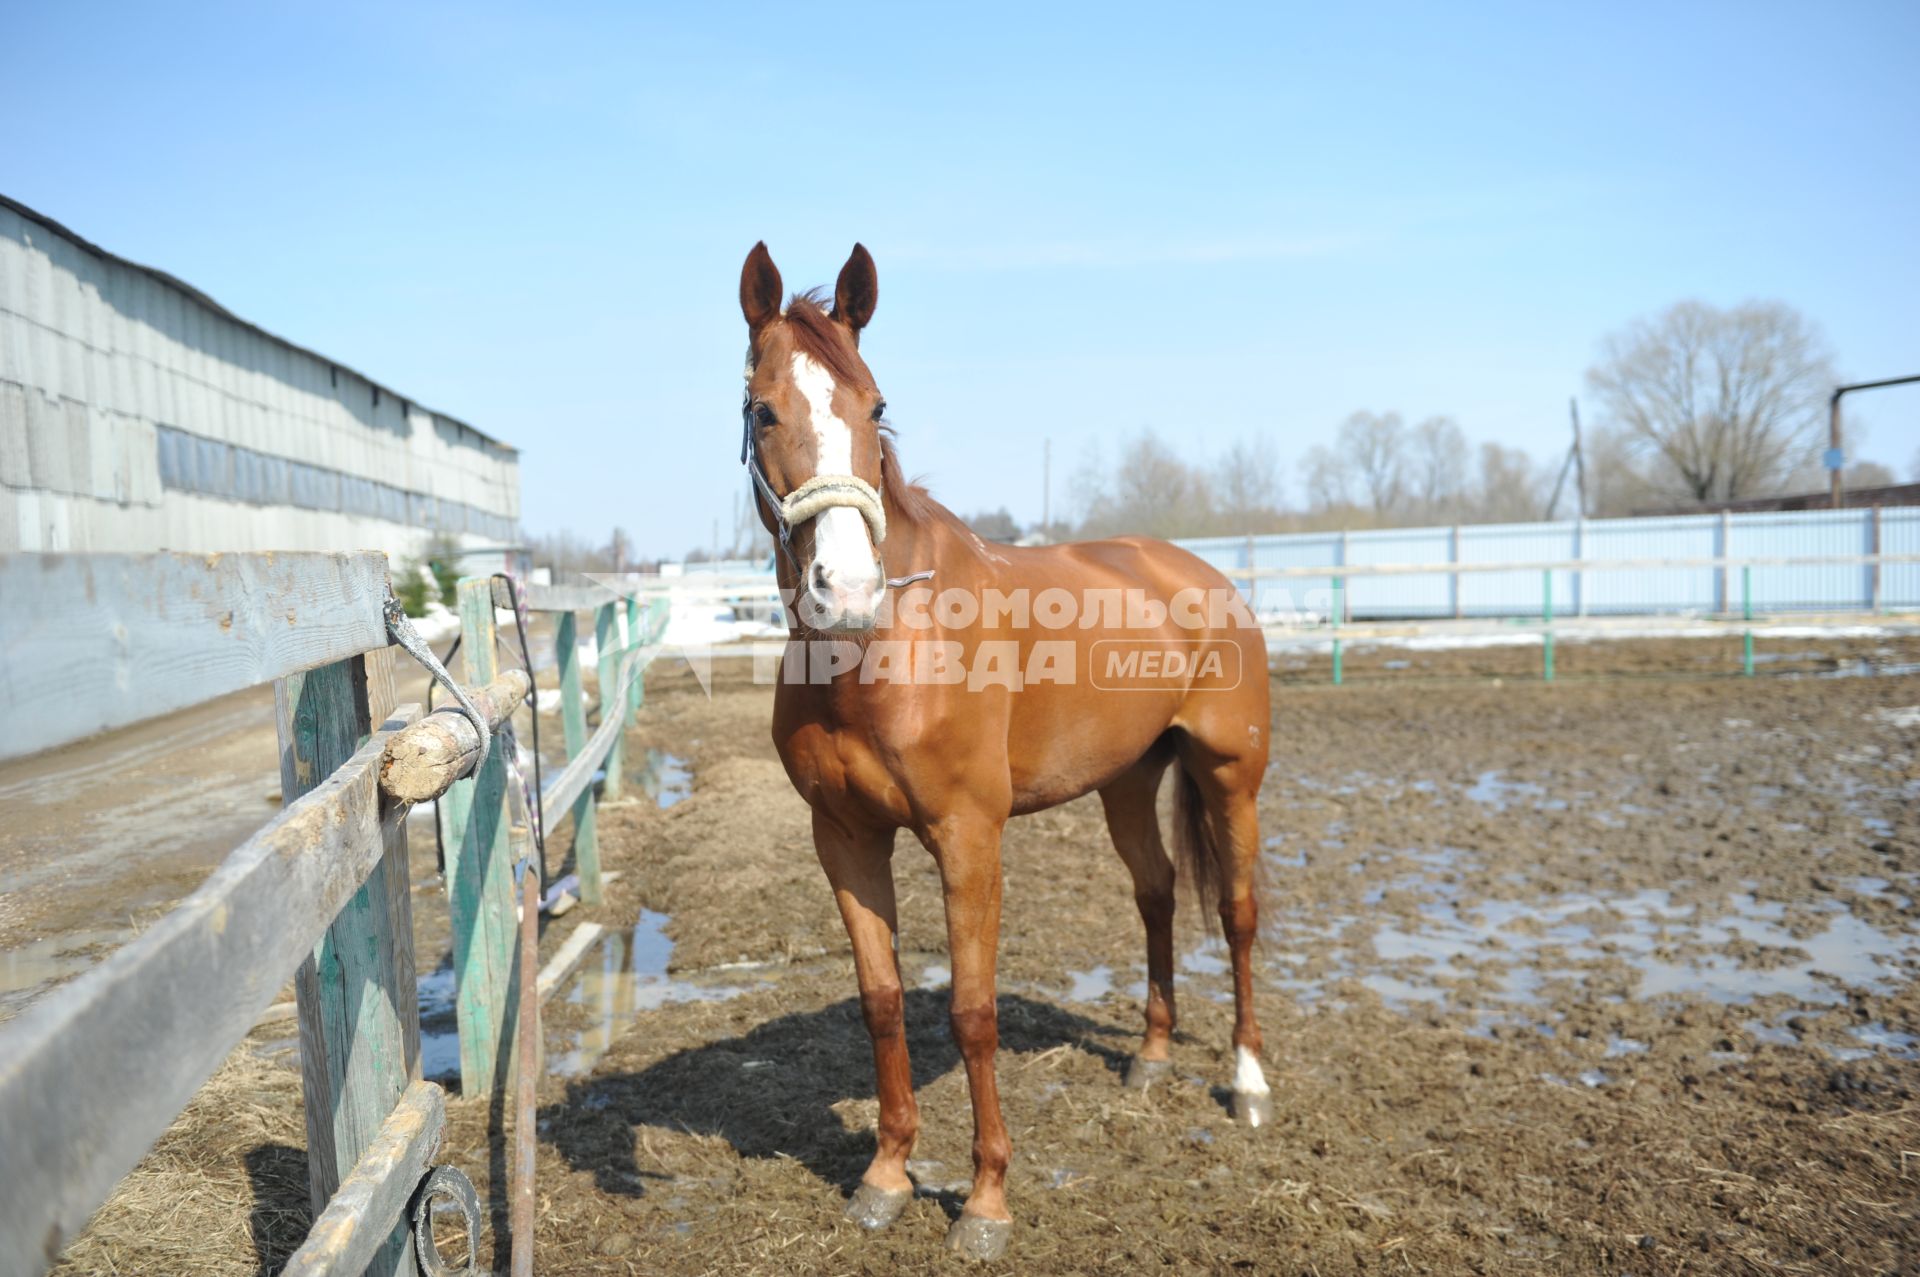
{"x":92,"y":1074}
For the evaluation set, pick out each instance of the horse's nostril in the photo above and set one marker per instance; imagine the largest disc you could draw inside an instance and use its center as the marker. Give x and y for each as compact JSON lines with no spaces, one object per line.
{"x":818,"y":576}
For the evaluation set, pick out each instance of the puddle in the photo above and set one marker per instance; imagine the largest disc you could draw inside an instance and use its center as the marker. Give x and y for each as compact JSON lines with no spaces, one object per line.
{"x":1492,"y":954}
{"x":26,"y":971}
{"x":1090,"y":986}
{"x":666,"y":778}
{"x":1496,"y":792}
{"x":624,"y":975}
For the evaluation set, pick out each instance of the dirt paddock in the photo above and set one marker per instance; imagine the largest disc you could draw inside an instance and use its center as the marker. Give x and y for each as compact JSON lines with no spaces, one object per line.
{"x":1600,"y":976}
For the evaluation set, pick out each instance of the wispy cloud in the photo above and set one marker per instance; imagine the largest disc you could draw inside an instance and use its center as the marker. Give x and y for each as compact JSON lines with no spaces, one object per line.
{"x":1126,"y":253}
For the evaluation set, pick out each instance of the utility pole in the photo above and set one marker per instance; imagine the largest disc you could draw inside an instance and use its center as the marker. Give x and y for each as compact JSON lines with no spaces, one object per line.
{"x":1836,"y":454}
{"x":1579,"y":460}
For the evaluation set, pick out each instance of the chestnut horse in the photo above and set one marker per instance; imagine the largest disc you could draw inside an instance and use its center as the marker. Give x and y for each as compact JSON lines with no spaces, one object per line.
{"x":908,"y":702}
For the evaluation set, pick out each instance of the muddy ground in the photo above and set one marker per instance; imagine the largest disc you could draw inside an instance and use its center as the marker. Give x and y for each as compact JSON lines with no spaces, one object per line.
{"x":1600,"y":976}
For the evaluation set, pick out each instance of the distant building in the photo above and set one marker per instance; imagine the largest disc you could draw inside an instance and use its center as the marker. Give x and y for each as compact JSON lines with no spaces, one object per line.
{"x":1893,"y":494}
{"x":136,"y":413}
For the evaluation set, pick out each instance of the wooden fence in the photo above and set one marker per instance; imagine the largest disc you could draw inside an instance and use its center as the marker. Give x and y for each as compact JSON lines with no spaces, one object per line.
{"x":92,"y":1074}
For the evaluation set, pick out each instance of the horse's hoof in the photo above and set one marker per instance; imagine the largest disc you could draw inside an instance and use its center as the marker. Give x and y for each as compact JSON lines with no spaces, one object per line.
{"x":1253,"y":1108}
{"x":872,"y":1207}
{"x":1142,"y":1073}
{"x":980,"y":1238}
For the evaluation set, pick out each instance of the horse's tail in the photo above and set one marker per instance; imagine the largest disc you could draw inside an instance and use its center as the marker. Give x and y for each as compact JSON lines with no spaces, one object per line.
{"x":1193,"y":844}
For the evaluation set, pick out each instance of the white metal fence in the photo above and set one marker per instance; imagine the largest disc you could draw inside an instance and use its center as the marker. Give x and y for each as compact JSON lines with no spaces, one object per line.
{"x":1708,"y":578}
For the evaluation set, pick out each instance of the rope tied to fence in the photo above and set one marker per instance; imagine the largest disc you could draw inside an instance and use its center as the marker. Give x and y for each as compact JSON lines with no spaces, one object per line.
{"x":400,"y":628}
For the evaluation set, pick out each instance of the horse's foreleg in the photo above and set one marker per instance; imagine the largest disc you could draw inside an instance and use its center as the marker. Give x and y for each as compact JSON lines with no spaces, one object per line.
{"x":1131,"y":819}
{"x":968,"y":852}
{"x":859,"y":865}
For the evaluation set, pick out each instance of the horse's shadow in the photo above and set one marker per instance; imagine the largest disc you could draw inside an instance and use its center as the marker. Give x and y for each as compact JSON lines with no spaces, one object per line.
{"x":770,"y":1092}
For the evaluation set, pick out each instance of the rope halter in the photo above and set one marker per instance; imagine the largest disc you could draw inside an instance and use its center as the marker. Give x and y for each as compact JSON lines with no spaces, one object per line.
{"x":820,"y":493}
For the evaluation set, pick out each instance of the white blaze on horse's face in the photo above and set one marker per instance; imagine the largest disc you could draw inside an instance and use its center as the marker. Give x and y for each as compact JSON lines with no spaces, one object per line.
{"x":844,"y":578}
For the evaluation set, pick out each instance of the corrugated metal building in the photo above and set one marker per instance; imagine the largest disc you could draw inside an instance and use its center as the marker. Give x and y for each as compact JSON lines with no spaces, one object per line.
{"x":136,"y":413}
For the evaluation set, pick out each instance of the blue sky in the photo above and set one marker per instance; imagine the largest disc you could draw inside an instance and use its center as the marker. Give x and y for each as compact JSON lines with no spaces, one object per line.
{"x":1211,"y":221}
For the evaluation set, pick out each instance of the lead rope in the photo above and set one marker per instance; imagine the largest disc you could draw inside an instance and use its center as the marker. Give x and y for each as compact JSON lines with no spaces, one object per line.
{"x":400,"y":627}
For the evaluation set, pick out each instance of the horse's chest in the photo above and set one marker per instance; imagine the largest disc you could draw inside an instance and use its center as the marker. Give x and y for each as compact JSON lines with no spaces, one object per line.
{"x":845,"y":774}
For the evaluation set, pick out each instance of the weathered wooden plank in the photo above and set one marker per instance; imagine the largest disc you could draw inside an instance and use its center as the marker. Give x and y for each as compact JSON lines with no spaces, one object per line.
{"x":577,"y":791}
{"x":613,"y":699}
{"x":480,"y":883}
{"x":574,"y":783}
{"x":355,"y":993}
{"x":442,"y":747}
{"x":572,"y":596}
{"x":527,"y":1067}
{"x":94,"y":641}
{"x":576,"y":779}
{"x":348,"y":1236}
{"x":568,"y":957}
{"x":91,"y":1075}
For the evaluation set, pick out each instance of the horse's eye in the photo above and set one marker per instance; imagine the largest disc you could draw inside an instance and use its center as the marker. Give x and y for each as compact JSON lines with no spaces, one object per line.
{"x":880,"y":410}
{"x":764,"y":415}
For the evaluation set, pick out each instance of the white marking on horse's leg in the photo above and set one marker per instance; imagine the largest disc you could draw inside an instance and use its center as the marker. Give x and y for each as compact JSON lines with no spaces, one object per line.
{"x":1248,"y":1077}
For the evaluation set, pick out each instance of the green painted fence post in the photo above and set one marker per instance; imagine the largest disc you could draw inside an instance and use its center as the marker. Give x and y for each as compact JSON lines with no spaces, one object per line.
{"x":613,"y":702}
{"x":634,"y":640}
{"x":358,"y":1004}
{"x":1337,"y":603}
{"x":1546,"y":620}
{"x":1746,"y":610}
{"x":573,"y":720}
{"x":480,"y":882}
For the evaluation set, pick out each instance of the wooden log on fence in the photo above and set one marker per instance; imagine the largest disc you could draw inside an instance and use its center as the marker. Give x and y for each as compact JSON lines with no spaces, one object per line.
{"x":347,"y":1238}
{"x":423,"y":761}
{"x":580,"y":596}
{"x":579,"y":771}
{"x":356,"y":992}
{"x":480,"y":882}
{"x":93,"y":1073}
{"x":115,"y":638}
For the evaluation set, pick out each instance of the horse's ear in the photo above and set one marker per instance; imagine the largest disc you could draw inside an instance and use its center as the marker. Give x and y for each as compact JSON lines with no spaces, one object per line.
{"x":856,"y":291}
{"x":759,"y":290}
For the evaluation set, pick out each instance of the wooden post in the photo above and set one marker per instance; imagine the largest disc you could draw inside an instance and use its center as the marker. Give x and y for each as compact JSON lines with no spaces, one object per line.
{"x":480,"y":881}
{"x":358,"y":1003}
{"x":612,"y":699}
{"x":573,"y":719}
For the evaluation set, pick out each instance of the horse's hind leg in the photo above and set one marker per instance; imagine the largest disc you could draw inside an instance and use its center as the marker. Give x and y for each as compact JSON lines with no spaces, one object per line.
{"x":1135,"y":826}
{"x":1217,"y":812}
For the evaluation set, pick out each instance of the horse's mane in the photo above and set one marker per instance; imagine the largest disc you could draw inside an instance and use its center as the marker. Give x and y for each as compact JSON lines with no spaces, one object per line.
{"x":820,"y":337}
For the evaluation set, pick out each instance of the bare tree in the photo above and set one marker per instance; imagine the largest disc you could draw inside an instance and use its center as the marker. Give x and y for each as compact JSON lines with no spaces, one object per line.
{"x":1510,"y":487}
{"x":1437,"y":467}
{"x":1247,"y":484}
{"x":1729,"y":401}
{"x":1374,"y":446}
{"x":995,"y":525}
{"x":1324,"y":476}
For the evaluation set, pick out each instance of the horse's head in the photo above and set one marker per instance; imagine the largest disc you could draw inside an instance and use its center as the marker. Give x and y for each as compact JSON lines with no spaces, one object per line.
{"x":812,"y":438}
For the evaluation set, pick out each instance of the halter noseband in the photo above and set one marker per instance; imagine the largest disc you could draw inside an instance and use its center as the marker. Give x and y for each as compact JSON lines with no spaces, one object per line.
{"x":816,"y":495}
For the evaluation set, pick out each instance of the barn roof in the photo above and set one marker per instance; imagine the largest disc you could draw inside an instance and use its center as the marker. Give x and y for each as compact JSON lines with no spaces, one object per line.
{"x":202,"y":299}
